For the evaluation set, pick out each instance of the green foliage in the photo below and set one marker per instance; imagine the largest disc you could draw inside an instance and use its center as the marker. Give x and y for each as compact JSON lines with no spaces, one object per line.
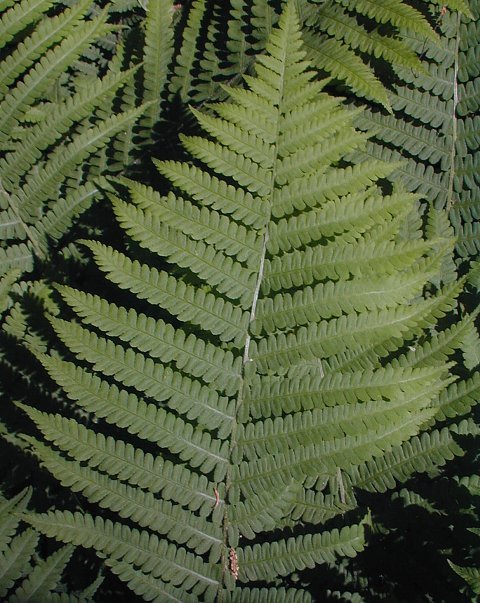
{"x":351,"y":42}
{"x":434,"y":126}
{"x":471,"y":576}
{"x":48,"y":138}
{"x":269,"y":342}
{"x":287,"y":248}
{"x":24,"y":576}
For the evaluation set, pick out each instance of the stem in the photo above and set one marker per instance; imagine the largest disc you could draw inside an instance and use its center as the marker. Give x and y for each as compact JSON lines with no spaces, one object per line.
{"x":246,"y":354}
{"x":453,"y":151}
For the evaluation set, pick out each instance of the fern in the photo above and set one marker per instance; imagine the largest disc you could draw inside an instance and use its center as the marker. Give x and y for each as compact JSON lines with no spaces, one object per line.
{"x":352,"y":43}
{"x":435,"y":121}
{"x":23,"y":577}
{"x":157,"y":54}
{"x":234,"y":388}
{"x":471,"y":576}
{"x":40,"y":162}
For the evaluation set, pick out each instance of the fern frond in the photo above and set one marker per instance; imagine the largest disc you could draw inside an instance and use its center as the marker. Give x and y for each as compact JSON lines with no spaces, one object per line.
{"x":315,"y":507}
{"x":342,"y":26}
{"x":183,"y":73}
{"x":158,"y":339}
{"x":250,"y":356}
{"x":210,"y":265}
{"x":433,"y":120}
{"x":15,"y":561}
{"x":44,"y":577}
{"x":45,"y":73}
{"x":215,"y":192}
{"x":187,"y":303}
{"x":47,"y":138}
{"x":122,"y":460}
{"x":347,"y":215}
{"x":458,"y":398}
{"x":24,"y":576}
{"x":261,"y":562}
{"x":441,"y":345}
{"x":316,"y":387}
{"x":43,"y":186}
{"x":16,"y":18}
{"x":161,"y":517}
{"x":471,"y":575}
{"x":264,"y":512}
{"x":6,"y":284}
{"x":421,"y":454}
{"x":355,"y":295}
{"x":158,"y":52}
{"x":268,"y":595}
{"x":56,"y":221}
{"x":16,"y":257}
{"x":334,"y":57}
{"x":398,"y":14}
{"x":122,"y":543}
{"x":224,"y":234}
{"x":271,"y":437}
{"x":48,"y":33}
{"x":8,"y":520}
{"x":56,"y":123}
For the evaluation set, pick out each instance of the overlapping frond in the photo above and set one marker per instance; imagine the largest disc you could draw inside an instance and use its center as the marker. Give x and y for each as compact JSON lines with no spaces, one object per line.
{"x":434,"y":125}
{"x":352,"y":43}
{"x":41,"y":190}
{"x":247,"y":357}
{"x":23,"y":575}
{"x":157,"y":56}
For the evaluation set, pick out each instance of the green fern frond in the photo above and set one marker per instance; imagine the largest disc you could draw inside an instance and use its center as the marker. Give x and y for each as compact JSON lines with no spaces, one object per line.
{"x":182,"y":300}
{"x":471,"y":575}
{"x":441,"y":345}
{"x":40,"y":187}
{"x":423,"y":453}
{"x":23,"y":575}
{"x":398,"y":14}
{"x":158,"y":53}
{"x":16,"y":257}
{"x":44,"y":577}
{"x":187,"y":56}
{"x":129,"y":502}
{"x":226,"y":274}
{"x":16,"y":559}
{"x":318,"y":387}
{"x":435,"y":119}
{"x":6,"y":288}
{"x":56,"y":221}
{"x":344,"y":27}
{"x":335,"y":57}
{"x":123,"y":461}
{"x":268,"y":595}
{"x":146,"y":586}
{"x":224,"y":234}
{"x":21,"y":15}
{"x":56,"y":123}
{"x":458,"y":398}
{"x":8,"y":520}
{"x":45,"y":73}
{"x":262,"y":562}
{"x":47,"y":34}
{"x":119,"y":542}
{"x":352,"y":43}
{"x":249,"y":357}
{"x":43,"y":170}
{"x":158,"y":339}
